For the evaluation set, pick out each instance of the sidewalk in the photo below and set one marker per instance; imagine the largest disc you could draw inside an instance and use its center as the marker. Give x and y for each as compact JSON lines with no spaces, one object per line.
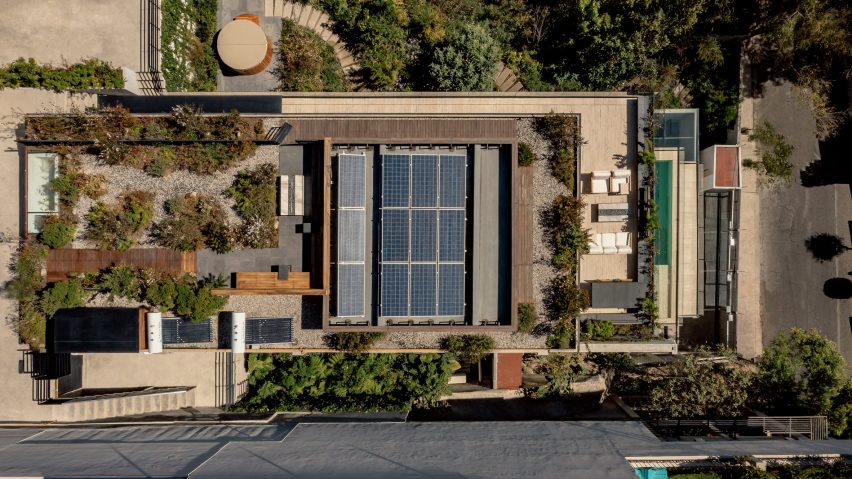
{"x":749,"y":325}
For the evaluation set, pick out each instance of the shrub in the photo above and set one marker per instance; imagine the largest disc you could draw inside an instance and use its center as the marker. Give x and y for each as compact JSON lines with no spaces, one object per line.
{"x":122,"y":281}
{"x":467,"y":61}
{"x":599,"y":329}
{"x":119,"y":225}
{"x":27,"y":269}
{"x":220,"y":237}
{"x":562,"y":132}
{"x":527,"y":317}
{"x":162,"y":294}
{"x":163,"y":163}
{"x":190,"y":221}
{"x":91,"y":73}
{"x":560,"y":370}
{"x":254,"y":192}
{"x":305,"y":62}
{"x":568,"y":235}
{"x":193,"y":300}
{"x":32,"y":325}
{"x":562,"y":336}
{"x":563,"y":165}
{"x":55,"y":233}
{"x":473,"y":347}
{"x":526,"y":157}
{"x":564,"y":299}
{"x":64,"y":294}
{"x":352,"y":342}
{"x":774,"y":164}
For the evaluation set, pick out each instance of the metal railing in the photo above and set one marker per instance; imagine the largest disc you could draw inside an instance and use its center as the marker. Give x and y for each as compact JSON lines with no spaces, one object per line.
{"x":815,"y":427}
{"x":150,"y":79}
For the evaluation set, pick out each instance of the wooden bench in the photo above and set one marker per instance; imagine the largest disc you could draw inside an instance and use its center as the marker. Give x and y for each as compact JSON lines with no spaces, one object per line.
{"x":253,"y":280}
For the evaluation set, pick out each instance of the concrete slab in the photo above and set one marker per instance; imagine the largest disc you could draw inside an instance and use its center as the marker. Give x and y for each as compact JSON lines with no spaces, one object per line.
{"x":59,"y":31}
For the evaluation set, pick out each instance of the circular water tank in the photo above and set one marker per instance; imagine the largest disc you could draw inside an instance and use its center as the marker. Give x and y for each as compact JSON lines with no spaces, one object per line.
{"x":244,"y":47}
{"x":238,"y":333}
{"x":155,"y":332}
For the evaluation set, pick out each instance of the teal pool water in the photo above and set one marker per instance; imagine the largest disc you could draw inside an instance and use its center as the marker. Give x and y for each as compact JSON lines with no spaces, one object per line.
{"x":663,"y":196}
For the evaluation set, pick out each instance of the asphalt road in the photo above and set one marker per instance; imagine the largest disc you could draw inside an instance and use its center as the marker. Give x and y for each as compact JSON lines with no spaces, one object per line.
{"x":791,"y":279}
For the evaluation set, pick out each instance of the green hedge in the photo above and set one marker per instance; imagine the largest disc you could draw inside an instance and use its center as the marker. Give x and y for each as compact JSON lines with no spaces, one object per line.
{"x":89,"y":74}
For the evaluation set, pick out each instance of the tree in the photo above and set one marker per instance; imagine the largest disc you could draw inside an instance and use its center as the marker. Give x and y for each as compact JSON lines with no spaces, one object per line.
{"x":774,"y":164}
{"x":527,"y":317}
{"x":467,"y":62}
{"x":825,"y":246}
{"x":64,"y":294}
{"x":564,"y":299}
{"x":696,"y":387}
{"x":801,"y":373}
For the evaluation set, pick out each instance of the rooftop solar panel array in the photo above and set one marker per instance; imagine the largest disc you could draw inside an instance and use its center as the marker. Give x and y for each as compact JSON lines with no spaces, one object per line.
{"x":351,"y":234}
{"x":423,"y":235}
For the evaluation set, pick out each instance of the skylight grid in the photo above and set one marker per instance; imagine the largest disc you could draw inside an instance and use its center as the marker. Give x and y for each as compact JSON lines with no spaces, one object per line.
{"x":351,"y":181}
{"x":351,"y":234}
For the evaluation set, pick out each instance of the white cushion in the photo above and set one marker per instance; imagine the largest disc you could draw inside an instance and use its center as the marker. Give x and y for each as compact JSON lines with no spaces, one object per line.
{"x":621,"y":174}
{"x":622,"y":243}
{"x":608,"y":243}
{"x":599,"y":186}
{"x":595,"y":244}
{"x":600,"y":174}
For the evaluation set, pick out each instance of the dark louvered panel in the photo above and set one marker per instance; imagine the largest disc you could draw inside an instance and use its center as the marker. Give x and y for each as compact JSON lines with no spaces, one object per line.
{"x":269,"y":330}
{"x":184,"y":331}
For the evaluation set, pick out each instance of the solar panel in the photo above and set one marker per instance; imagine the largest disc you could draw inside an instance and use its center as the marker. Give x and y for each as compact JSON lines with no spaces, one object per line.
{"x":269,"y":330}
{"x":394,"y":290}
{"x":350,"y":236}
{"x":394,"y":235}
{"x":423,"y":289}
{"x":395,"y":173}
{"x":451,"y":227}
{"x":423,"y":235}
{"x":183,"y":331}
{"x":350,"y":290}
{"x":424,"y":181}
{"x":453,"y":181}
{"x":451,"y":290}
{"x":351,"y":181}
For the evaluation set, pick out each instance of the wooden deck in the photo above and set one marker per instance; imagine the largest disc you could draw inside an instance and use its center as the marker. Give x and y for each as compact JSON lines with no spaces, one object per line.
{"x":404,"y":131}
{"x":62,"y":262}
{"x":253,"y":283}
{"x":523,"y":224}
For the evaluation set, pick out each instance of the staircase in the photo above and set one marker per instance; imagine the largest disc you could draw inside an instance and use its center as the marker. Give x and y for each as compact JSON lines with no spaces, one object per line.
{"x":147,"y":401}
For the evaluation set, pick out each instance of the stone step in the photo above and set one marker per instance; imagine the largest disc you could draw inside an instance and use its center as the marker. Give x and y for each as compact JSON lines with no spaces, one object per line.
{"x":517,"y":86}
{"x":268,"y":8}
{"x":287,"y":10}
{"x":105,"y":408}
{"x":313,"y":18}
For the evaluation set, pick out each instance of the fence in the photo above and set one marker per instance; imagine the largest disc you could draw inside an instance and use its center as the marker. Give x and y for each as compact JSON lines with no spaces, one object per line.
{"x":149,"y":50}
{"x":815,"y":427}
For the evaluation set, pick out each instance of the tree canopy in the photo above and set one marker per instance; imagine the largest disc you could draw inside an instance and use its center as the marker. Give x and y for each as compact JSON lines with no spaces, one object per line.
{"x":467,"y":62}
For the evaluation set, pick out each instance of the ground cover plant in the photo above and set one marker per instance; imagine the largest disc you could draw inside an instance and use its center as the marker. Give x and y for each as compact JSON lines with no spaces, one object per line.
{"x":526,"y":157}
{"x":119,"y":225}
{"x":306,"y":62}
{"x":562,"y":133}
{"x":88,"y":74}
{"x":568,"y":236}
{"x":187,"y":30}
{"x":344,"y":382}
{"x":562,"y":336}
{"x":598,"y":329}
{"x":194,"y":221}
{"x":27,"y":281}
{"x":254,"y":192}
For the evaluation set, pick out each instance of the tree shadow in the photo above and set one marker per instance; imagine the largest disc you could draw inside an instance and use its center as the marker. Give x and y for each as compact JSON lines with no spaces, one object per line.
{"x":838,"y":288}
{"x":835,"y":164}
{"x":825,"y":247}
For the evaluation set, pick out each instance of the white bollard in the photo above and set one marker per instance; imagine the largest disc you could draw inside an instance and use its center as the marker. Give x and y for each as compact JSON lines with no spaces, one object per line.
{"x":154,"y":322}
{"x":238,"y":333}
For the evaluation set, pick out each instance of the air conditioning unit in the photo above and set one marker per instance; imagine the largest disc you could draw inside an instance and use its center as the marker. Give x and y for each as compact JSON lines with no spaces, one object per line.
{"x":155,"y":332}
{"x":238,"y":333}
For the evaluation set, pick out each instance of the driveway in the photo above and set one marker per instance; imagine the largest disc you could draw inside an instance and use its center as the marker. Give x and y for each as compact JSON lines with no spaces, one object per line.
{"x":791,"y":280}
{"x":58,"y":31}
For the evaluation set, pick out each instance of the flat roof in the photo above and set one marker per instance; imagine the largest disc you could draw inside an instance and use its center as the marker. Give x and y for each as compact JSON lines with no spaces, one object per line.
{"x":95,"y":330}
{"x":727,"y":166}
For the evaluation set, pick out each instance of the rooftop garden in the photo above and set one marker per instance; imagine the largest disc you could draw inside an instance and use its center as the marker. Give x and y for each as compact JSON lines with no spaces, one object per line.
{"x":128,"y":181}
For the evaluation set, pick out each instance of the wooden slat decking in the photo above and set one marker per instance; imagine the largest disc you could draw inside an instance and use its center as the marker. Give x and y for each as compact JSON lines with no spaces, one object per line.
{"x":396,"y":130}
{"x":523,"y":223}
{"x":62,"y":262}
{"x":256,"y":283}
